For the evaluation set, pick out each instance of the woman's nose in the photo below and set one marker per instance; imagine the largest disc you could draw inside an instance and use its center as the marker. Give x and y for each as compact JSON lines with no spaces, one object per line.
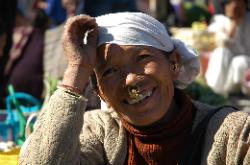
{"x":132,"y":79}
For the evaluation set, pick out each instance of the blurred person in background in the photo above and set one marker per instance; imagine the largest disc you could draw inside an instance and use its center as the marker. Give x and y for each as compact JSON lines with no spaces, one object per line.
{"x":24,"y":68}
{"x":98,"y":7}
{"x":216,"y":7}
{"x":55,"y":11}
{"x":71,"y":6}
{"x":228,"y":62}
{"x":7,"y":15}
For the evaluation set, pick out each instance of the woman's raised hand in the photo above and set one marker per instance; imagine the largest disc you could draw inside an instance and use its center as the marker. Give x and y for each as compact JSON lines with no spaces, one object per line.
{"x":81,"y":55}
{"x":76,"y":51}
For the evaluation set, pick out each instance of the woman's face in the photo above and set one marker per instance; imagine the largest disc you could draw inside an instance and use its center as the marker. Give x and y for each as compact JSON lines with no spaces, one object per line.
{"x":235,"y":9}
{"x":122,"y":68}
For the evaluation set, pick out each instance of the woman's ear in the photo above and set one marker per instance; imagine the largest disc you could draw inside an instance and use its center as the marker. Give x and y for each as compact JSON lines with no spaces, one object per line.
{"x":175,"y":64}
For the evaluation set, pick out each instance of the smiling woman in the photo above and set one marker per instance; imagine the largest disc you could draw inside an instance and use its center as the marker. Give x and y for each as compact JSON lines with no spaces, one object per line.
{"x":230,"y":60}
{"x":140,"y":78}
{"x":139,"y":72}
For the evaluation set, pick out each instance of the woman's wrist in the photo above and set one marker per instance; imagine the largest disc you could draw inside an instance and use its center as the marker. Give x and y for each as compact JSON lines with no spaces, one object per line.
{"x":76,"y":78}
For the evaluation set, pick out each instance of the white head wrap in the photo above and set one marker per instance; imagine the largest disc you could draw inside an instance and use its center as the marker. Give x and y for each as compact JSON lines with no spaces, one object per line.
{"x":134,"y":28}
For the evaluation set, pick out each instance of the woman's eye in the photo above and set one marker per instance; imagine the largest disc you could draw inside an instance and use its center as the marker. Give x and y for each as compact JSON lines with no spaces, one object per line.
{"x":109,"y":71}
{"x":142,"y":57}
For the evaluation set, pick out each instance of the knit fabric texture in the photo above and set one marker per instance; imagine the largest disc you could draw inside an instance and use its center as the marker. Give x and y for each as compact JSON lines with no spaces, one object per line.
{"x":60,"y":137}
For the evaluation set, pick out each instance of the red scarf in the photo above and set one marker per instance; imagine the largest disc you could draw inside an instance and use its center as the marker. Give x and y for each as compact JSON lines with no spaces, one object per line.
{"x":161,"y":144}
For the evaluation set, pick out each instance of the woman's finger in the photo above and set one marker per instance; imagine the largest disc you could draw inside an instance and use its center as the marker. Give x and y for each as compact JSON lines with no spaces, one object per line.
{"x":92,"y":36}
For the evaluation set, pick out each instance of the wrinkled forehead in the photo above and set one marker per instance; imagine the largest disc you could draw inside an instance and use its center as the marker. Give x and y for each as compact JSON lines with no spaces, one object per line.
{"x":115,"y":53}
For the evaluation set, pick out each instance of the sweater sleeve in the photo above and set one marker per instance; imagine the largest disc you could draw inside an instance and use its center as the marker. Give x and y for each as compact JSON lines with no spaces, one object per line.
{"x":231,"y":143}
{"x":55,"y":139}
{"x":243,"y":147}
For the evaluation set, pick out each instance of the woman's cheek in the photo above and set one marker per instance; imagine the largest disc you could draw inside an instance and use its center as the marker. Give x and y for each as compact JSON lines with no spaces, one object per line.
{"x":151,"y":68}
{"x":111,"y":83}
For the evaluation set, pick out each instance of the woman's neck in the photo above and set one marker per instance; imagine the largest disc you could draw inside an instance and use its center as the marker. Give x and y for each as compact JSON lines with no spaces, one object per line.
{"x":173,"y":109}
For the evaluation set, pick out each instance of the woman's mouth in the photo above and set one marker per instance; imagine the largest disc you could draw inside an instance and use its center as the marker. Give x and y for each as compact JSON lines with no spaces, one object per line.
{"x":139,"y":98}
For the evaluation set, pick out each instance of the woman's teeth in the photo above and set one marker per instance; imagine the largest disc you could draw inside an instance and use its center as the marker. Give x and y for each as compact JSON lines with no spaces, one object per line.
{"x":139,"y":98}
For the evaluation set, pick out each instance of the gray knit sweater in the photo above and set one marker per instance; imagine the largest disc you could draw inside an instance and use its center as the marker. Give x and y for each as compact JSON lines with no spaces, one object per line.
{"x":60,"y":137}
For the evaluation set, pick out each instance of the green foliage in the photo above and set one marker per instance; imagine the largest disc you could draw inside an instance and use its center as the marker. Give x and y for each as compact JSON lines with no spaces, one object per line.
{"x":50,"y":88}
{"x":196,"y":12}
{"x":201,"y":92}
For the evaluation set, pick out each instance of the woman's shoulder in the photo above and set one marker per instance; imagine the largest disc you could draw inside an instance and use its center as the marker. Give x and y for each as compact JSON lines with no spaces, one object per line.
{"x":101,"y":116}
{"x":223,"y":111}
{"x":226,"y":135}
{"x":224,"y":116}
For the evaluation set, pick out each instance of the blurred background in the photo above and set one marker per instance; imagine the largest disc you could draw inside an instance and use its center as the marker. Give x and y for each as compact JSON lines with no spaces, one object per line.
{"x":32,"y":61}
